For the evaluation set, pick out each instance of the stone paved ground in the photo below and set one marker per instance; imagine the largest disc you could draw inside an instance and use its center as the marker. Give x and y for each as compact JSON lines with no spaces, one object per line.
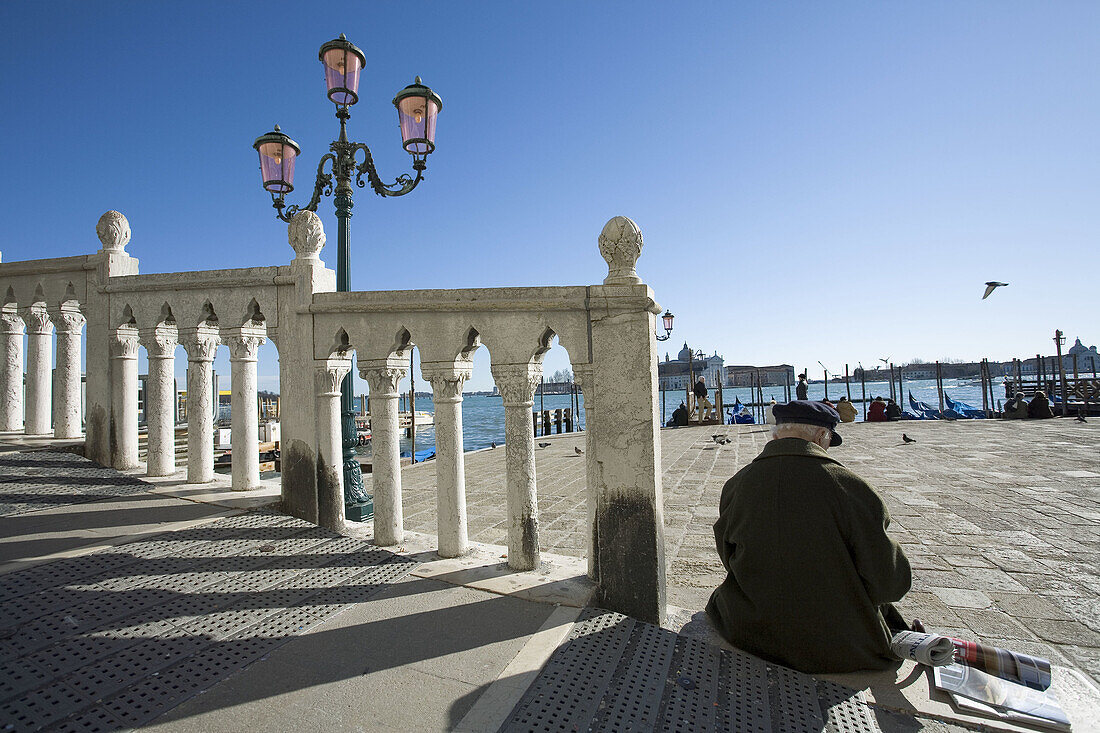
{"x":1001,"y":520}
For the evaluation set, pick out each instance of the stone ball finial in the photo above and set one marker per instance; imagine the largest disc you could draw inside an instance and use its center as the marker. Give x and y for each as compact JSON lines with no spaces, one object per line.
{"x":307,"y":235}
{"x":621,"y":245}
{"x":113,"y":231}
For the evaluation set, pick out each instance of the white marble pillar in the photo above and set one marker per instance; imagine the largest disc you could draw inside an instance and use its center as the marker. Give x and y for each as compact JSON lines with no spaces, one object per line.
{"x":383,"y":377}
{"x":450,"y":470}
{"x":66,"y":375}
{"x":630,"y":503}
{"x":39,"y":368}
{"x":11,"y":372}
{"x":516,"y":384}
{"x":201,"y":344}
{"x":244,"y":345}
{"x":160,"y":399}
{"x":582,"y":374}
{"x":124,"y":398}
{"x":328,"y":375}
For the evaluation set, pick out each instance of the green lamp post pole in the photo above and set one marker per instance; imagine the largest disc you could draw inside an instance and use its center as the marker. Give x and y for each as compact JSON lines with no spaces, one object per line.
{"x":417,"y":110}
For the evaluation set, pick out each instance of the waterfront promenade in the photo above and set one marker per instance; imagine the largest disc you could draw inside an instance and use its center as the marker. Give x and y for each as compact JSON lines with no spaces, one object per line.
{"x":1000,"y":519}
{"x":154,"y":593}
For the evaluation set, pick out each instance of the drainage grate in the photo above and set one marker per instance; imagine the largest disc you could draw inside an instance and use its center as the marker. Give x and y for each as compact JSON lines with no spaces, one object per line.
{"x":793,"y":698}
{"x":634,"y":695}
{"x":691,"y":690}
{"x":567,"y":694}
{"x":845,"y":710}
{"x":115,"y":638}
{"x":615,"y":674}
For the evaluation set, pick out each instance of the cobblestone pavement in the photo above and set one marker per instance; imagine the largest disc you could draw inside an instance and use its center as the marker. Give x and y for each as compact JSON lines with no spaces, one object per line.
{"x":1001,"y":520}
{"x":114,"y":638}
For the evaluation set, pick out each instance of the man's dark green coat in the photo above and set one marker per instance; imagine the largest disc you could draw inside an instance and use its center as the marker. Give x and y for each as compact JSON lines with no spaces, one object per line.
{"x":808,"y":561}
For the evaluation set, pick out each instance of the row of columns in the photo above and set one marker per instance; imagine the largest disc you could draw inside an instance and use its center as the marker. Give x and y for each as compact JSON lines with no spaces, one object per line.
{"x":52,"y":406}
{"x":516,"y":383}
{"x":201,"y":344}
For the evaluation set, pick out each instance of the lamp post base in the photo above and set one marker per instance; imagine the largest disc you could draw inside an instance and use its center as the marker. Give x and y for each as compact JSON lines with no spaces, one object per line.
{"x":359,"y":512}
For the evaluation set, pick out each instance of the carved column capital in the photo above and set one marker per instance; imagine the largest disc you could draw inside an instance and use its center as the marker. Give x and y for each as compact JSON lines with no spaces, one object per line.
{"x":244,"y":342}
{"x":582,"y":376}
{"x":160,"y":342}
{"x":38,"y":321}
{"x":516,"y":383}
{"x":11,"y":324}
{"x":67,"y":321}
{"x":382,"y":378}
{"x":201,"y":343}
{"x":446,"y":379}
{"x":328,"y":374}
{"x":124,"y":343}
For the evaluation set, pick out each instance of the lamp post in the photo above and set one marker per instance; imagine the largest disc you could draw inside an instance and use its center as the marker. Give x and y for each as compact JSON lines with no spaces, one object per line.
{"x":667,"y":318}
{"x":417,"y":110}
{"x":1059,"y":342}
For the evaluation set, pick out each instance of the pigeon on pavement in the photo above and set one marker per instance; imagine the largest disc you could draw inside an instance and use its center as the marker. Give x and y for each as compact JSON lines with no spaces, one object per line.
{"x":543,"y":445}
{"x":991,"y":286}
{"x":579,"y":451}
{"x":907,"y":439}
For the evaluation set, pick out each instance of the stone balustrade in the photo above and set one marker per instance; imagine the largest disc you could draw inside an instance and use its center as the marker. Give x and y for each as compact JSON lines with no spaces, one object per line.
{"x":607,"y":330}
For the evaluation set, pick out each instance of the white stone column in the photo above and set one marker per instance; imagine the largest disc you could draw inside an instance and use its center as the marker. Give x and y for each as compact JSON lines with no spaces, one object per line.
{"x":450,"y":470}
{"x":201,"y":344}
{"x":328,"y":374}
{"x":160,"y":399}
{"x":582,"y":375}
{"x":66,"y":375}
{"x":629,"y":508}
{"x":244,"y":345}
{"x":39,"y":381}
{"x":383,"y":376}
{"x":516,"y":384}
{"x":124,"y":394}
{"x":11,"y":372}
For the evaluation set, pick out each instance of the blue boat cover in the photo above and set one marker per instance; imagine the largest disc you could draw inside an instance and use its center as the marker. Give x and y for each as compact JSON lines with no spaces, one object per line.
{"x":962,"y":409}
{"x":738,"y":418}
{"x":922,"y":410}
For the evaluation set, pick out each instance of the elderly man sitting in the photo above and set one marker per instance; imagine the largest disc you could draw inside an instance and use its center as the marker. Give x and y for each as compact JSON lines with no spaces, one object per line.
{"x":811,"y":571}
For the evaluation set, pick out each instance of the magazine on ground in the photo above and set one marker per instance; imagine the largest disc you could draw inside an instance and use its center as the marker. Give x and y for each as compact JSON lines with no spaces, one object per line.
{"x":986,"y":679}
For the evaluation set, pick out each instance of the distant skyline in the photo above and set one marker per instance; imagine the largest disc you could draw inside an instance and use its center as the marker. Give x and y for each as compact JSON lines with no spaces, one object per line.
{"x":814,"y":181}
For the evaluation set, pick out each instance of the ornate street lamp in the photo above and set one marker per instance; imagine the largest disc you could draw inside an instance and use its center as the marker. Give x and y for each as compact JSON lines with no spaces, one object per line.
{"x":417,"y":110}
{"x":666,"y":318}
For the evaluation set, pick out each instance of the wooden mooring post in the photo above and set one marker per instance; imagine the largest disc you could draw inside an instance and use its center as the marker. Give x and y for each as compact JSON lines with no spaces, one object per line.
{"x":863,"y":386}
{"x":939,"y":385}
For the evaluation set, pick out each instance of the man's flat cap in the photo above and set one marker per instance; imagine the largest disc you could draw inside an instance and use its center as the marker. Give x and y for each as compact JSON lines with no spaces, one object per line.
{"x":809,"y":412}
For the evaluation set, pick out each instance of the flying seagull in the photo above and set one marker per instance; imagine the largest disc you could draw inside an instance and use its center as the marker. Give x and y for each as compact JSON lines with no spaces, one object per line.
{"x":907,"y":439}
{"x":991,"y":286}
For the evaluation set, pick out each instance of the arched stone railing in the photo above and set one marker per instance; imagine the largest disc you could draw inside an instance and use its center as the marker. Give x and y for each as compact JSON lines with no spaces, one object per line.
{"x":607,"y":330}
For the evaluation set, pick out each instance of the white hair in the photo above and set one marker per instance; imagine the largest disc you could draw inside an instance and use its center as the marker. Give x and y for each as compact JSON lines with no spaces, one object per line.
{"x":813,"y":433}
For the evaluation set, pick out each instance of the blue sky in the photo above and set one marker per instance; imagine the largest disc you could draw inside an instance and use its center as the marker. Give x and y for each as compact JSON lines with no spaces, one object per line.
{"x":814,"y":181}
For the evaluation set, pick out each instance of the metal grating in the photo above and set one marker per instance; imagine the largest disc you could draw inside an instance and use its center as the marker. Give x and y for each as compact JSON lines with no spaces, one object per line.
{"x":691,"y":690}
{"x":793,"y":698}
{"x":615,"y":674}
{"x":115,"y":638}
{"x":568,"y":692}
{"x":635,"y":692}
{"x":845,"y":710}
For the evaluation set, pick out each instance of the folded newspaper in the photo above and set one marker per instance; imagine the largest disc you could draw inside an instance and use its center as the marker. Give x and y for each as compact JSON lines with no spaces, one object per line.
{"x":985,"y":679}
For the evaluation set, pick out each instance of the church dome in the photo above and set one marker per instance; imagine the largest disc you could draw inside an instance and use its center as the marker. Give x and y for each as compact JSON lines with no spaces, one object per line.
{"x":685,"y":353}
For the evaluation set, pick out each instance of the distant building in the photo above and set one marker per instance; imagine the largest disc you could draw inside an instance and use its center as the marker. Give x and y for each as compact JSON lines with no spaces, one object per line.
{"x":776,"y":375}
{"x":676,"y":373}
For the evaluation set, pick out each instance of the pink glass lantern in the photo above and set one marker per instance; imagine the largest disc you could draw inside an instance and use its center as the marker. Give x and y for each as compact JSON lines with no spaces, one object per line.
{"x":417,"y":110}
{"x":277,"y":155}
{"x":668,"y":318}
{"x":342,"y":61}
